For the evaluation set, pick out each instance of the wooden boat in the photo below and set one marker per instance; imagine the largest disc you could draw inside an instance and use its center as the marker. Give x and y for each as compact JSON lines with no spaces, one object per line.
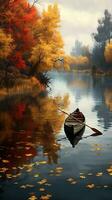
{"x":75,"y":122}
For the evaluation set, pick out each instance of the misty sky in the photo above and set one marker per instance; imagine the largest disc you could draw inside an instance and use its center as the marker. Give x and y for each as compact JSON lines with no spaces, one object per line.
{"x":78,"y":18}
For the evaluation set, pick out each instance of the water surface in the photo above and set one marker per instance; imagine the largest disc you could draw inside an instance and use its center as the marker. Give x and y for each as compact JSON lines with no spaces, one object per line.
{"x":36,"y":162}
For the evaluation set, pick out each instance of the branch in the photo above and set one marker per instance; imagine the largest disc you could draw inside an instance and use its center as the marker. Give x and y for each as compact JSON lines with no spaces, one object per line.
{"x":34,"y":2}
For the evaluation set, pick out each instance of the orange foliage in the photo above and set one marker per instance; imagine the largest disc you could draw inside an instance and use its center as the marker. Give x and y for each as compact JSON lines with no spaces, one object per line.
{"x":18,"y":19}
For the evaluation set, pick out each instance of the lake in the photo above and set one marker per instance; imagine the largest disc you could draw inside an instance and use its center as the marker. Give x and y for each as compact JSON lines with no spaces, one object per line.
{"x":37,"y":161}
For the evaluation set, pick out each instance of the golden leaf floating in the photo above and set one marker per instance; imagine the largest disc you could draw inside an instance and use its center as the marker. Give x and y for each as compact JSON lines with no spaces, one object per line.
{"x":43,"y":181}
{"x":74,"y":182}
{"x":109,"y":170}
{"x":70,"y":179}
{"x":33,"y":197}
{"x":28,"y":154}
{"x":90,"y":186}
{"x":59,"y":168}
{"x":82,"y":177}
{"x":26,"y":186}
{"x":14,"y":168}
{"x":42,"y":189}
{"x":45,"y":197}
{"x":5,"y":161}
{"x":23,"y":186}
{"x":36,"y":175}
{"x":99,"y":174}
{"x":9,"y":175}
{"x":42,"y":162}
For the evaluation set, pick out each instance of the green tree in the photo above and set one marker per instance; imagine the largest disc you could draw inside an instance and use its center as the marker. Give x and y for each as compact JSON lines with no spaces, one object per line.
{"x":104,"y":29}
{"x":101,"y":37}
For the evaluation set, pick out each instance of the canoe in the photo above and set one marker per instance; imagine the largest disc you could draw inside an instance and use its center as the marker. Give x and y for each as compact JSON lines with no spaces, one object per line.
{"x":75,"y":122}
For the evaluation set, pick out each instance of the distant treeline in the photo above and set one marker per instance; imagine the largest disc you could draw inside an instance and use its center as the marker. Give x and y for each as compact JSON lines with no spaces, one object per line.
{"x":100,"y":57}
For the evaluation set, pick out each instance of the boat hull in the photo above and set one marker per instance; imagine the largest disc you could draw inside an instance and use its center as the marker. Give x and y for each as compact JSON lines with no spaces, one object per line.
{"x":75,"y":124}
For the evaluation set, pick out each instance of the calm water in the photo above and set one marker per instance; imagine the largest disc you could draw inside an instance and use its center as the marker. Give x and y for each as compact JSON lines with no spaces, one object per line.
{"x":36,"y":162}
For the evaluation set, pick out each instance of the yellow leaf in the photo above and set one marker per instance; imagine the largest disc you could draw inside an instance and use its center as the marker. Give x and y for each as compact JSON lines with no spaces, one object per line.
{"x":82,"y":177}
{"x":99,"y":174}
{"x":43,"y":181}
{"x":5,"y":161}
{"x":33,"y":197}
{"x":90,"y":186}
{"x":42,"y":162}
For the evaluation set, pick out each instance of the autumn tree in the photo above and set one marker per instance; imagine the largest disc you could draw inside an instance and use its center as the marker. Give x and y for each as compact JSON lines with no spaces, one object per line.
{"x":49,"y":45}
{"x":18,"y":19}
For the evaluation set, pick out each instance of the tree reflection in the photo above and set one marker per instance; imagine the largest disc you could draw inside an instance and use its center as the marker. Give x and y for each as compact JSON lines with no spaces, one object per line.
{"x":103,"y":98}
{"x":108,"y":98}
{"x":27,"y":123}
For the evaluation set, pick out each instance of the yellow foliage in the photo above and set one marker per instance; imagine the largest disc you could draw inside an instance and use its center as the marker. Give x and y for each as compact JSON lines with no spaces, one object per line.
{"x":49,"y":47}
{"x":5,"y":44}
{"x":108,"y":52}
{"x":79,"y":60}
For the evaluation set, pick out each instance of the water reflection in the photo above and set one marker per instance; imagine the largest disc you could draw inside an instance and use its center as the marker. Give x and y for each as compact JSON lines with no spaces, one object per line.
{"x":30,"y":127}
{"x":91,"y":94}
{"x":73,"y":138}
{"x":102,"y":94}
{"x":26,"y":124}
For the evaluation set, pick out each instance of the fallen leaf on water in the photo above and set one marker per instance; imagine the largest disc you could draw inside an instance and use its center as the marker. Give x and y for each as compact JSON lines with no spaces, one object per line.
{"x":45,"y":197}
{"x":23,"y":186}
{"x":109,"y":169}
{"x":28,"y":154}
{"x":33,"y":197}
{"x":42,"y":189}
{"x":99,"y":174}
{"x":5,"y":161}
{"x":70,"y":179}
{"x":29,"y":185}
{"x":58,"y":168}
{"x":9,"y":175}
{"x":90,"y":186}
{"x":36,"y":175}
{"x":82,"y":177}
{"x":43,"y":181}
{"x":42,"y":162}
{"x":14,"y":168}
{"x":74,"y":182}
